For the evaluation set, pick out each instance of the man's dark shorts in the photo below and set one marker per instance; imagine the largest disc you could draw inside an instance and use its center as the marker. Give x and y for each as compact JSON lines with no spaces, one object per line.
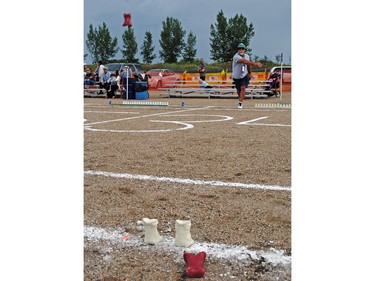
{"x":242,"y":82}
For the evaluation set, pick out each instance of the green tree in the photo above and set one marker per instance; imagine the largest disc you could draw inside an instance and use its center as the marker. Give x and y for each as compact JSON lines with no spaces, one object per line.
{"x":240,"y":32}
{"x":189,"y":51}
{"x":219,"y":40}
{"x":130,"y":47}
{"x":147,"y":49}
{"x":278,"y":59}
{"x":171,"y":40}
{"x":227,"y":34}
{"x":100,"y":44}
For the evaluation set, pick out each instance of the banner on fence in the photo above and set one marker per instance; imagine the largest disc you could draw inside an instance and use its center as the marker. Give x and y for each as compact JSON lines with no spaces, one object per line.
{"x":221,"y":77}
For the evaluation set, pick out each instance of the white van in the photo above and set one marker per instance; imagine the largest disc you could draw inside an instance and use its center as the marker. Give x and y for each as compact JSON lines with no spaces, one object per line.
{"x":287,"y":72}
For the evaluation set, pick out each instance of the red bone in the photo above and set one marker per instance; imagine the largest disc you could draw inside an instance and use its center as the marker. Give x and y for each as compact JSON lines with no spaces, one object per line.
{"x":127,"y":20}
{"x":194,"y":263}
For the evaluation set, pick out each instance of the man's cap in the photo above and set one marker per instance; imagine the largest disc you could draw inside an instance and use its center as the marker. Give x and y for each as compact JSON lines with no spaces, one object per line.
{"x":105,"y":67}
{"x":241,"y":45}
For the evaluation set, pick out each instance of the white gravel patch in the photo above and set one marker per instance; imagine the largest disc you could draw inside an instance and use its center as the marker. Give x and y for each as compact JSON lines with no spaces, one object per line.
{"x":213,"y":250}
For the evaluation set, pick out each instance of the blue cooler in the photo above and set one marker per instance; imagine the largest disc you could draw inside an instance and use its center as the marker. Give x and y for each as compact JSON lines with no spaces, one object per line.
{"x":141,"y":95}
{"x":141,"y":90}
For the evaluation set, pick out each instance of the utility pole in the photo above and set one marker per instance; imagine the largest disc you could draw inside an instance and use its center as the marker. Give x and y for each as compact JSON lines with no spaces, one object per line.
{"x":281,"y":84}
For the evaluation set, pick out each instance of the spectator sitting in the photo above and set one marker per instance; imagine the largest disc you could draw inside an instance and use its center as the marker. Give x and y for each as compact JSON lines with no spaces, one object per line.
{"x":89,"y":81}
{"x":204,"y":84}
{"x":86,"y":70}
{"x":104,"y":80}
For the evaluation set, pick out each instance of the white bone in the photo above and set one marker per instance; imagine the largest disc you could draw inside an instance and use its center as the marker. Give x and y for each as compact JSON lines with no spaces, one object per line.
{"x":183,"y":236}
{"x":151,"y":232}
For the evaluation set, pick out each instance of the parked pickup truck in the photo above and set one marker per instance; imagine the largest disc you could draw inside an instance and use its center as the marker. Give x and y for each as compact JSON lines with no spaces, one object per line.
{"x":287,"y":72}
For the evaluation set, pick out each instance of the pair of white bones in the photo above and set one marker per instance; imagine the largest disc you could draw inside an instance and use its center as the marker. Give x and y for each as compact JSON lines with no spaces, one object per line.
{"x":182,"y":238}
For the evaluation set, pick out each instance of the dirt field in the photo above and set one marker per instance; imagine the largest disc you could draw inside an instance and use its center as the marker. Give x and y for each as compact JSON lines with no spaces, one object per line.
{"x":227,"y":170}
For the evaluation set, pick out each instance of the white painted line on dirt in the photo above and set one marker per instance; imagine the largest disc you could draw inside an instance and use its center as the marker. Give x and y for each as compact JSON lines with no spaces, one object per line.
{"x":225,"y":118}
{"x":144,"y":116}
{"x":271,"y":125}
{"x":252,"y":120}
{"x":186,"y":126}
{"x":261,"y":124}
{"x":187,"y":181}
{"x":213,"y":250}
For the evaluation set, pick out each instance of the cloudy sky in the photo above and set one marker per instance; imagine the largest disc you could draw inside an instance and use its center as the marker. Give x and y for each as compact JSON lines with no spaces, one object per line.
{"x":271,"y":20}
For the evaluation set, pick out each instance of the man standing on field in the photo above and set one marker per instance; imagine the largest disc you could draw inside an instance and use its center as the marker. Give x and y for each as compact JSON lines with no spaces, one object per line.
{"x":241,"y":72}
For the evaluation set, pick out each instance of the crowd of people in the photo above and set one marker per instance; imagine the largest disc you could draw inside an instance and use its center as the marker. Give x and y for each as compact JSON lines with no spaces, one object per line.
{"x":104,"y":79}
{"x":111,"y":82}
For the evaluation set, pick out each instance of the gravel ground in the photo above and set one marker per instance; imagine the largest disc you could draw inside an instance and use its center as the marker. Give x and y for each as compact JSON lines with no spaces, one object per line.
{"x":227,"y":170}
